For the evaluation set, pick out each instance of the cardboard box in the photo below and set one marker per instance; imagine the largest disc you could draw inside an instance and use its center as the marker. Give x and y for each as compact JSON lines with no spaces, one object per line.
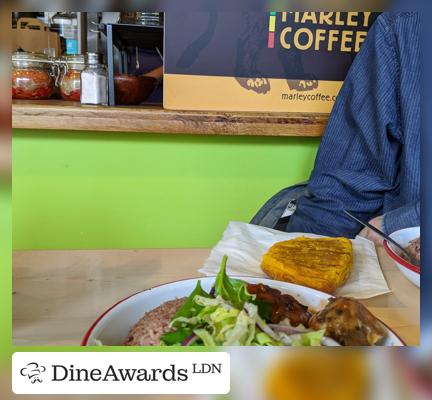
{"x":277,"y":61}
{"x":33,"y":35}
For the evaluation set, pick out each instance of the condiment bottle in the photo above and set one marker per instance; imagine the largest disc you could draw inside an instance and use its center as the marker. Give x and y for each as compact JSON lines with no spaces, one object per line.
{"x":32,"y":76}
{"x":94,"y":81}
{"x":70,"y":82}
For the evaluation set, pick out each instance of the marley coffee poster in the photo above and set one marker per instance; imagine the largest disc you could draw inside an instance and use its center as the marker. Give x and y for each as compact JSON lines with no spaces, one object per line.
{"x":276,"y":61}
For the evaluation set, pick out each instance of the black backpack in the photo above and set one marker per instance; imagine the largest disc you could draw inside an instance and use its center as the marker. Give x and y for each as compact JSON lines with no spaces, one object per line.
{"x":271,"y":213}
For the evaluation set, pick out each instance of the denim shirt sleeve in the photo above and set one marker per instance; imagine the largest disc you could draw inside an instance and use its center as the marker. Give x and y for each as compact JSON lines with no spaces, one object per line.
{"x":403,"y":217}
{"x":358,"y":157}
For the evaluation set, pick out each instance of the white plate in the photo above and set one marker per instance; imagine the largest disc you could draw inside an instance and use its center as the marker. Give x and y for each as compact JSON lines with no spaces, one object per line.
{"x":403,"y":237}
{"x":112,"y":327}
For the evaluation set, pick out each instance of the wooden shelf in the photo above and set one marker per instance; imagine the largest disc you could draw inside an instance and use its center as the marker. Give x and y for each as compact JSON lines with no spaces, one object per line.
{"x":62,"y":115}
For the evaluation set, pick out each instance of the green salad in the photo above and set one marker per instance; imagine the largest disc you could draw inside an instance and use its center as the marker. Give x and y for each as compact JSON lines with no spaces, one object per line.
{"x":230,"y":316}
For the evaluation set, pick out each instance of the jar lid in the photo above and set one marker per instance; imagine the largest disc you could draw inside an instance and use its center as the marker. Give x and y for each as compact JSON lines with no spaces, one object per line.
{"x":25,"y":59}
{"x":74,"y":59}
{"x":27,"y":56}
{"x":92,"y":58}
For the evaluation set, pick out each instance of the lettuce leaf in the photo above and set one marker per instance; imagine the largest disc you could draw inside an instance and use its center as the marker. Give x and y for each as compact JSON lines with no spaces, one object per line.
{"x":175,"y":337}
{"x":262,"y":339}
{"x":265,"y":309}
{"x":232,"y":290}
{"x":188,"y":310}
{"x":205,"y":336}
{"x":312,"y":338}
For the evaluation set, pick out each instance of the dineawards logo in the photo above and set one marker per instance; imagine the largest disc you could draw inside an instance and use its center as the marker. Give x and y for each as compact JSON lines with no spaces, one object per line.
{"x":121,"y":373}
{"x":33,"y":372}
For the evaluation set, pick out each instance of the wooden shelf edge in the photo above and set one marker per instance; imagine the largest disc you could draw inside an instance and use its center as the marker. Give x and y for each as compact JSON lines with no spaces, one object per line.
{"x":60,"y":115}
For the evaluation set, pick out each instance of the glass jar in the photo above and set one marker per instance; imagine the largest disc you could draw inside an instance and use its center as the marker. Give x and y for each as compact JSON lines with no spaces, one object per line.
{"x":94,"y":81}
{"x":32,"y":76}
{"x":142,"y":18}
{"x":70,"y":82}
{"x":150,"y":18}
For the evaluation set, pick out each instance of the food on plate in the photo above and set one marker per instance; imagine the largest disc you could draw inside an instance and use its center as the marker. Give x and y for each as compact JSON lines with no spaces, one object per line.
{"x":323,"y":263}
{"x":237,"y":313}
{"x":414,"y":250}
{"x":149,"y":329}
{"x":281,"y":306}
{"x":232,"y":316}
{"x":348,"y":322}
{"x":300,"y":375}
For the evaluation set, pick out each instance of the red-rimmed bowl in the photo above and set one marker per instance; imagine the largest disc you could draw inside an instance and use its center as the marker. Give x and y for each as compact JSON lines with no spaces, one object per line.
{"x":111,"y":328}
{"x":403,"y":237}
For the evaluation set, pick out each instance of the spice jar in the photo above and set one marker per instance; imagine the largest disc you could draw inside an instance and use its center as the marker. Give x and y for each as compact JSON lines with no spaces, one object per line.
{"x":142,"y":18}
{"x":70,"y":83}
{"x":94,"y":81}
{"x":32,"y":76}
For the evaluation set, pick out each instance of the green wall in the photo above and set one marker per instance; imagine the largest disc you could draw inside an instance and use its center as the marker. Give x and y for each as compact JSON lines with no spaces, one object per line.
{"x":86,"y":190}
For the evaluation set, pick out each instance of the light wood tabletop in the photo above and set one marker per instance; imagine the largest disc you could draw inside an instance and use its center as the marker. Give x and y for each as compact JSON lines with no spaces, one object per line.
{"x":58,"y":294}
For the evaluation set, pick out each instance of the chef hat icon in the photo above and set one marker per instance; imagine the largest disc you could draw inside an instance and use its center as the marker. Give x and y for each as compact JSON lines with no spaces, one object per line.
{"x":33,"y":371}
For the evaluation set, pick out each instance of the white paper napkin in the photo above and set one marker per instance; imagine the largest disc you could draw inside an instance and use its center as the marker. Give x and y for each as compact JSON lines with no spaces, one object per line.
{"x":245,"y":244}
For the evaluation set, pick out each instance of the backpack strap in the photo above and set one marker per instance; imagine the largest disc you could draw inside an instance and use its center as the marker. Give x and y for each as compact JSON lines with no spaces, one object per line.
{"x":281,"y":205}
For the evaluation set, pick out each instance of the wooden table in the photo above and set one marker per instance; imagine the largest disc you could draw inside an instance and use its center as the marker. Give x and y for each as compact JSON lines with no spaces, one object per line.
{"x":58,"y":294}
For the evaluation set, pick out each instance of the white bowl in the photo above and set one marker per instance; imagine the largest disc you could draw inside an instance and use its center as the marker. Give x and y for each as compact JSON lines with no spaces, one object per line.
{"x":113,"y":326}
{"x":403,"y":237}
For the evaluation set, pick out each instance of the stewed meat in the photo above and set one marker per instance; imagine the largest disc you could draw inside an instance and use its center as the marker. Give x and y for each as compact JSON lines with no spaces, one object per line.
{"x":348,"y":322}
{"x":283,"y":306}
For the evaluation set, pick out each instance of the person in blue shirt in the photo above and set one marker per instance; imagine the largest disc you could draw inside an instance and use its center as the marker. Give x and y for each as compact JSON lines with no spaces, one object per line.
{"x":369,"y":159}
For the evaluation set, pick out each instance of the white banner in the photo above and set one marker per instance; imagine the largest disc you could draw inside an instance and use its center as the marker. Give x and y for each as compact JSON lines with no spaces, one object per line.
{"x":121,"y":373}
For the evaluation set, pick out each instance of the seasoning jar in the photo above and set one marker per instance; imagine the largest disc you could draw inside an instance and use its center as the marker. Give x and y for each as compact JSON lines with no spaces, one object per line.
{"x":142,"y":18}
{"x":32,"y":76}
{"x":94,"y":81}
{"x":70,"y":82}
{"x":150,"y":18}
